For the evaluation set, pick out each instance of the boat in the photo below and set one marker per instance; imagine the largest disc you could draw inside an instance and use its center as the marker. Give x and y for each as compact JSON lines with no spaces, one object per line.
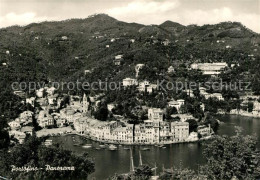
{"x":112,"y":147}
{"x":98,"y":148}
{"x":145,"y":149}
{"x":102,"y":145}
{"x":87,"y":146}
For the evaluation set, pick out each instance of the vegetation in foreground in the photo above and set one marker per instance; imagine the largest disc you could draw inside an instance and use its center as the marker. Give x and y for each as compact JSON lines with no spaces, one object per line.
{"x":33,"y":154}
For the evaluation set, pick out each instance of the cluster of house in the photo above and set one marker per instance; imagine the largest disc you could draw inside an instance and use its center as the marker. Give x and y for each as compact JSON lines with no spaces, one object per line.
{"x":208,"y":95}
{"x":244,"y":110}
{"x":142,"y":86}
{"x":181,"y":116}
{"x":51,"y":113}
{"x":152,"y":131}
{"x":118,"y":59}
{"x":21,"y":126}
{"x":76,"y":108}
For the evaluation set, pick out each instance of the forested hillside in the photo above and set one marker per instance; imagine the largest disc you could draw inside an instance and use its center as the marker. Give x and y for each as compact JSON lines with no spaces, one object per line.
{"x":62,"y":51}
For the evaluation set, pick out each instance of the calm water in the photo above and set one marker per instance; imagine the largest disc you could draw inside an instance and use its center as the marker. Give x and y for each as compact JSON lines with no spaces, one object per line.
{"x":189,"y":155}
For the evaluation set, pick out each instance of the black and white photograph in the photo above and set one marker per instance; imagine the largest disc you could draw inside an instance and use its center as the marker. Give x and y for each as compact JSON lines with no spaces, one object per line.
{"x":129,"y":89}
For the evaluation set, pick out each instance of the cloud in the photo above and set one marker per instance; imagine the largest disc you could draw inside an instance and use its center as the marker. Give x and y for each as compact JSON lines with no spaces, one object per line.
{"x":144,"y":7}
{"x":143,"y":11}
{"x":217,"y":15}
{"x":140,"y":11}
{"x":20,"y":19}
{"x":156,"y":12}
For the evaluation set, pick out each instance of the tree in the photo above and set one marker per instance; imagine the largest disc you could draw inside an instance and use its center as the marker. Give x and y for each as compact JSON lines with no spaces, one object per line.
{"x":33,"y":154}
{"x":143,"y":172}
{"x":169,"y":112}
{"x":192,"y":125}
{"x":250,"y":106}
{"x":102,"y":113}
{"x":4,"y":139}
{"x":232,"y":156}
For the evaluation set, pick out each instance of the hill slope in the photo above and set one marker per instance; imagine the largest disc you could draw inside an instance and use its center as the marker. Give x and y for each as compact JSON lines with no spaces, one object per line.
{"x":63,"y":50}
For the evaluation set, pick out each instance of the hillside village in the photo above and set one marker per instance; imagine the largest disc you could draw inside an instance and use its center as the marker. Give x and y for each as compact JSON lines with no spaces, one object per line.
{"x":103,"y":49}
{"x":54,"y":116}
{"x":164,"y":125}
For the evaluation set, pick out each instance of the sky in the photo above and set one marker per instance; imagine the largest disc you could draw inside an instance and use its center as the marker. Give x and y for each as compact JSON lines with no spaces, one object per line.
{"x":23,"y":12}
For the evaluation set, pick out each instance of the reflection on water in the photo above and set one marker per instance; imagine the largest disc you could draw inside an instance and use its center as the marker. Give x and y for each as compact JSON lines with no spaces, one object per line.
{"x":189,"y":155}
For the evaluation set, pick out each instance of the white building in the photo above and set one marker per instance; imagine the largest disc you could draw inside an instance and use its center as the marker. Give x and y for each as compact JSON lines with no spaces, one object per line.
{"x":143,"y":85}
{"x":44,"y":119}
{"x":39,"y":93}
{"x":50,"y":91}
{"x":120,"y":56}
{"x":155,"y":114}
{"x":132,"y":40}
{"x":87,"y":71}
{"x":209,"y":68}
{"x":118,"y":59}
{"x":151,"y":88}
{"x":110,"y":106}
{"x":129,"y":82}
{"x":166,"y":42}
{"x":193,"y":137}
{"x":14,"y":124}
{"x":146,"y":86}
{"x":64,"y":38}
{"x":214,"y":95}
{"x":189,"y":92}
{"x":137,"y":69}
{"x":170,"y":69}
{"x":204,"y":131}
{"x":177,"y":104}
{"x":180,"y":131}
{"x":52,"y":99}
{"x":207,"y":95}
{"x":30,"y":100}
{"x":218,"y":96}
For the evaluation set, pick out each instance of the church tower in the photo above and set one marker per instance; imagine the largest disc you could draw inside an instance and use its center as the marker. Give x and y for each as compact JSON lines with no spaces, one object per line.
{"x":85,"y":103}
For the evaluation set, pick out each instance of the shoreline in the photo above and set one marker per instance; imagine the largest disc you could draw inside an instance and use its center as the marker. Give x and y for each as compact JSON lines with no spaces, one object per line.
{"x":73,"y":132}
{"x":243,"y":113}
{"x":139,"y":144}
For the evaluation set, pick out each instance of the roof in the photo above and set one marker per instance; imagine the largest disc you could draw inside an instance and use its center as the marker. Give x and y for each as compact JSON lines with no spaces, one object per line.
{"x":173,"y":102}
{"x":120,"y":129}
{"x":27,"y":128}
{"x":156,"y":109}
{"x":22,"y":136}
{"x":180,"y":100}
{"x":182,"y":115}
{"x":177,"y":123}
{"x":217,"y":94}
{"x":148,"y":121}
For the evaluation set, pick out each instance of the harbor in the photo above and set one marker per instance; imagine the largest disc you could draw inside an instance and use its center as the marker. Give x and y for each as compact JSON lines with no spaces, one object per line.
{"x":185,"y":155}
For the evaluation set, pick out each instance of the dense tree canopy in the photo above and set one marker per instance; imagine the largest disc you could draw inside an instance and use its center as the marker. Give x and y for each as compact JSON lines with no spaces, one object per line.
{"x":33,"y":154}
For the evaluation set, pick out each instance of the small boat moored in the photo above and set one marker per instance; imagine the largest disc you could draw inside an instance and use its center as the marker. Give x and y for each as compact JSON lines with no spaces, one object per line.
{"x":112,"y":147}
{"x":87,"y":146}
{"x":102,"y":145}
